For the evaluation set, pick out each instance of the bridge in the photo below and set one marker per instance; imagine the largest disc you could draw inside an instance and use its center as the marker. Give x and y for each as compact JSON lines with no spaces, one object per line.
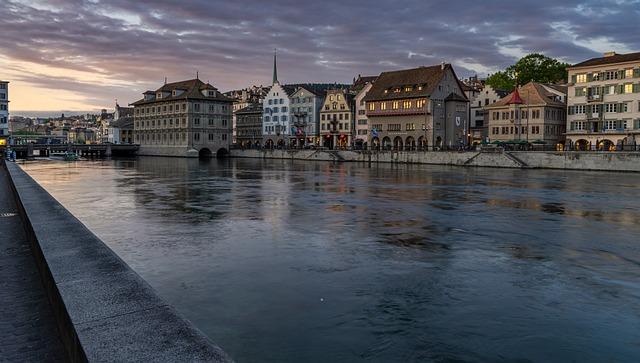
{"x":89,"y":150}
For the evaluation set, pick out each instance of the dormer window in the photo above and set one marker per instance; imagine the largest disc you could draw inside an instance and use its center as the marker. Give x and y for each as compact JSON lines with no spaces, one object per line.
{"x":396,"y":90}
{"x":159,"y":95}
{"x":408,"y":88}
{"x":212,"y":93}
{"x":386,"y":91}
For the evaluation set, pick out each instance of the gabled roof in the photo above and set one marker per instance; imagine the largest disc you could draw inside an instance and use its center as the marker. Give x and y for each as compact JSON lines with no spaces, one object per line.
{"x":532,"y":93}
{"x":192,"y":90}
{"x":611,"y":59}
{"x":362,"y":81}
{"x":423,"y":81}
{"x":123,"y":123}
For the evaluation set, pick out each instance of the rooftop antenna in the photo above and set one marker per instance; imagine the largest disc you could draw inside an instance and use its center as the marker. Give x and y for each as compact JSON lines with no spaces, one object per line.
{"x":197,"y":75}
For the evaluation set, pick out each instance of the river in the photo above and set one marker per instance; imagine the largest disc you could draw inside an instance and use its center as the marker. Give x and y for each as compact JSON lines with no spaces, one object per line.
{"x":291,"y":261}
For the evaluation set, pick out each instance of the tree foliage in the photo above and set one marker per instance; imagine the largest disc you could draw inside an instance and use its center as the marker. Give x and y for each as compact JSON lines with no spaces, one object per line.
{"x":533,"y":67}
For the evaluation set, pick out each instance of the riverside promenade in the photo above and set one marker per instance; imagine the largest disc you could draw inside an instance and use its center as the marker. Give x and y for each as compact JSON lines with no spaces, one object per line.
{"x":28,"y":331}
{"x":66,"y":296}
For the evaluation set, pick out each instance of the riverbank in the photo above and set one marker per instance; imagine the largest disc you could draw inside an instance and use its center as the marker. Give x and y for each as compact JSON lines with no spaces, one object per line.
{"x":568,"y":160}
{"x":104,"y":311}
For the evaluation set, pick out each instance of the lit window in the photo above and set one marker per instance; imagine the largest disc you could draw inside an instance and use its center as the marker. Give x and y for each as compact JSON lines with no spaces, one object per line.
{"x":383,"y":105}
{"x":628,"y":73}
{"x":581,"y":78}
{"x":396,"y":105}
{"x":372,"y":106}
{"x":628,"y":88}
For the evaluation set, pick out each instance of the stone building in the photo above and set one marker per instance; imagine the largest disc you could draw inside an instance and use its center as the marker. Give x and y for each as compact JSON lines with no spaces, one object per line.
{"x":243,"y":98}
{"x":360,"y":88}
{"x":188,"y":118}
{"x":336,"y":119}
{"x":532,"y":113}
{"x":249,"y":126}
{"x":417,"y":108}
{"x":604,"y":103}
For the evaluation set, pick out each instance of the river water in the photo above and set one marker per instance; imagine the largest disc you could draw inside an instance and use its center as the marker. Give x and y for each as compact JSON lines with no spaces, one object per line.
{"x":287,"y":261}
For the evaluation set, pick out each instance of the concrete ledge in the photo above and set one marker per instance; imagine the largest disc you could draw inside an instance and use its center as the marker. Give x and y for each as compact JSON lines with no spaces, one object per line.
{"x":105,"y":311}
{"x":570,"y":160}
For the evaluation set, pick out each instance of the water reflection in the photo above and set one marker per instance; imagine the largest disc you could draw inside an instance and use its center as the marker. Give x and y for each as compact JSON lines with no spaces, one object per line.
{"x":292,"y":261}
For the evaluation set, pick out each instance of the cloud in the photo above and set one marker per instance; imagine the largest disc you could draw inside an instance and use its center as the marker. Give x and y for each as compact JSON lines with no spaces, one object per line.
{"x":100,"y":50}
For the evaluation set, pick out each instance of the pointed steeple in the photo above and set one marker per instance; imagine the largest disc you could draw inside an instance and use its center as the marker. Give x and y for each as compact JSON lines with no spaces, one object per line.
{"x":275,"y":67}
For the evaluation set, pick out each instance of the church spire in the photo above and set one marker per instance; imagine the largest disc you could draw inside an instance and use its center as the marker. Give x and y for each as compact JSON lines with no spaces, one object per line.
{"x":275,"y":67}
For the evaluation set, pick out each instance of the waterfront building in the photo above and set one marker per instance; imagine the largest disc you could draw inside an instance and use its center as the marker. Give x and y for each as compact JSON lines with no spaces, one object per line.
{"x":243,"y":98}
{"x":478,"y":116}
{"x":188,"y":118}
{"x":4,"y":113}
{"x":336,"y":119}
{"x":360,"y":88}
{"x":423,"y":107}
{"x":604,"y":102}
{"x":534,"y":113}
{"x":276,"y":121}
{"x":306,"y":103}
{"x":249,"y":126}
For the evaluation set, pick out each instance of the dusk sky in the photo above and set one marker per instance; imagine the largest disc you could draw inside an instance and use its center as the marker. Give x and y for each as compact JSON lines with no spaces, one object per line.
{"x":81,"y":55}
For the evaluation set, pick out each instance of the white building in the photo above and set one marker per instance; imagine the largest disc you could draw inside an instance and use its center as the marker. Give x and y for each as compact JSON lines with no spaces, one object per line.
{"x":604,"y":103}
{"x":276,"y":119}
{"x":4,"y":112}
{"x":361,"y":86}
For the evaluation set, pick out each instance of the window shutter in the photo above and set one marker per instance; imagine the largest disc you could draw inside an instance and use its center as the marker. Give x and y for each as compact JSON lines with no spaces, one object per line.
{"x":621,"y":74}
{"x":619,"y":107}
{"x":573,"y":78}
{"x":589,"y":77}
{"x":636,"y":72}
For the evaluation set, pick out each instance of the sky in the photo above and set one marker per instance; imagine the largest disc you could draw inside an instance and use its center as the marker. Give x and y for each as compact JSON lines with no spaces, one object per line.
{"x":82,"y":55}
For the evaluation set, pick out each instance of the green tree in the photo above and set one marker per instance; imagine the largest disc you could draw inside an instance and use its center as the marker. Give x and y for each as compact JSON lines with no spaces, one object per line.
{"x":533,"y":67}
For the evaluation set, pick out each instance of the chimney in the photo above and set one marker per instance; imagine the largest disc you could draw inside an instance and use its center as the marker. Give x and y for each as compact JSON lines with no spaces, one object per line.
{"x":609,"y":54}
{"x":442,"y":65}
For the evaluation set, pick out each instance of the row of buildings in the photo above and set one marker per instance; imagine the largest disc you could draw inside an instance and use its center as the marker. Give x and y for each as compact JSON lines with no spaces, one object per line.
{"x":598,"y":108}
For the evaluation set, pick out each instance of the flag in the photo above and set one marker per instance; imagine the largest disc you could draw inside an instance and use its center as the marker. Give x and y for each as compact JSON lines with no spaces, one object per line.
{"x":374,"y":132}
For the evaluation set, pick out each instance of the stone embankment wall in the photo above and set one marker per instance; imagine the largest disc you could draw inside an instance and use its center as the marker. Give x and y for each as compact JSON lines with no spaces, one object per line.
{"x":105,"y":312}
{"x":609,"y":161}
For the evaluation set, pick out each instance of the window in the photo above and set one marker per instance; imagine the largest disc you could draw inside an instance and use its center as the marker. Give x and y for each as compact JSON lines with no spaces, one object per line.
{"x":628,"y":73}
{"x":196,"y":107}
{"x":408,"y":88}
{"x":581,"y":78}
{"x":410,"y":127}
{"x":420,"y":103}
{"x":396,"y":105}
{"x":383,"y":105}
{"x":196,"y":136}
{"x":362,"y":122}
{"x":628,"y":88}
{"x":406,"y":104}
{"x":196,"y":121}
{"x":394,"y":127}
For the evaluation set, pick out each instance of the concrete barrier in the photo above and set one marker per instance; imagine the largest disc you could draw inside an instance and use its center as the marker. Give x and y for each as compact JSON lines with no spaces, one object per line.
{"x":607,"y":161}
{"x":105,"y":311}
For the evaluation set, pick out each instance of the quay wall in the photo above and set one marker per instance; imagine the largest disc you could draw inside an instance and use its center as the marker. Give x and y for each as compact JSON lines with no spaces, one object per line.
{"x":569,"y":160}
{"x":105,"y":311}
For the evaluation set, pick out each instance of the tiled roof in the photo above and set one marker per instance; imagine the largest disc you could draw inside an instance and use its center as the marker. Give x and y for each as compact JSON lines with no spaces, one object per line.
{"x":319,"y":89}
{"x":531,"y":93}
{"x":192,"y":90}
{"x":252,"y":108}
{"x":616,"y":58}
{"x":123,"y":123}
{"x":426,"y":78}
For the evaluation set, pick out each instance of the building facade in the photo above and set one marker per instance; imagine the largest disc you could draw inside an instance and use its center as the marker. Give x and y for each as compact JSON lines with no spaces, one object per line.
{"x":188,"y":119}
{"x":478,"y":116}
{"x":249,"y":126}
{"x":417,"y":108}
{"x":604,"y":103}
{"x":533,"y":113}
{"x":4,"y":113}
{"x":306,"y":103}
{"x":336,"y":119}
{"x":360,"y":88}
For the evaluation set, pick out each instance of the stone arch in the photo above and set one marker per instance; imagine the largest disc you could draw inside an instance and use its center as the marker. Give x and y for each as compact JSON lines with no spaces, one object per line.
{"x":410,"y":143}
{"x":269,"y":144}
{"x":386,"y":143}
{"x":439,"y":143}
{"x":582,"y":145}
{"x":422,"y":143}
{"x":204,"y":153}
{"x":397,"y":143}
{"x":222,"y":153}
{"x":606,"y":145}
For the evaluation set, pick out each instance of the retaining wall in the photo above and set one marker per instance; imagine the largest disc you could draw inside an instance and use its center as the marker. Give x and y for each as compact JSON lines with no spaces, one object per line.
{"x":609,"y":161}
{"x":105,"y":311}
